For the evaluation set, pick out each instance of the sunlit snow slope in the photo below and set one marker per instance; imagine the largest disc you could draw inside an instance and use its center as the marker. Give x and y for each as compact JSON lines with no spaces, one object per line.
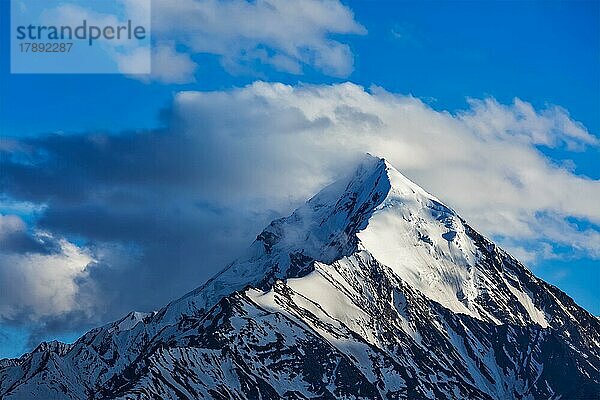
{"x":374,"y":289}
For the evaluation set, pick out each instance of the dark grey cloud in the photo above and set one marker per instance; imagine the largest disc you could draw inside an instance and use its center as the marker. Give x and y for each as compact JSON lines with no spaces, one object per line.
{"x":152,"y":208}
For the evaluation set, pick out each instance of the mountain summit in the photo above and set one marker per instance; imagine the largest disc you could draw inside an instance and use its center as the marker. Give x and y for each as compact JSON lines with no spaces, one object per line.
{"x":374,"y":289}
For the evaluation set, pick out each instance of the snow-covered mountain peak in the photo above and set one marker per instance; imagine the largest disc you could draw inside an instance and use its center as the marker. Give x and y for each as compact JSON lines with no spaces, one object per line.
{"x":408,"y":229}
{"x":373,"y":178}
{"x":375,"y":209}
{"x":401,"y":186}
{"x":379,"y":210}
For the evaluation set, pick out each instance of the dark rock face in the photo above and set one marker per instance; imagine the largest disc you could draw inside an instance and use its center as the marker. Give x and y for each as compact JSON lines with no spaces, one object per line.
{"x":312,"y":312}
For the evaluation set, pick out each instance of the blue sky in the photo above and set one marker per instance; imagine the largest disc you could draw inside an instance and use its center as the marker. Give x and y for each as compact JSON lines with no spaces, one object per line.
{"x":544,"y":53}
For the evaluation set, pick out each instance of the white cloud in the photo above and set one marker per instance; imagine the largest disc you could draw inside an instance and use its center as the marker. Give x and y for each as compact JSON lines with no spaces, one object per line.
{"x":287,"y":35}
{"x":519,"y":121}
{"x":37,"y":285}
{"x":288,"y":141}
{"x":170,"y":66}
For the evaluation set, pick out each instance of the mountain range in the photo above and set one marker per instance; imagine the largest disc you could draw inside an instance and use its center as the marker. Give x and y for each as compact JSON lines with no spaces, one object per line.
{"x":373,"y":289}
